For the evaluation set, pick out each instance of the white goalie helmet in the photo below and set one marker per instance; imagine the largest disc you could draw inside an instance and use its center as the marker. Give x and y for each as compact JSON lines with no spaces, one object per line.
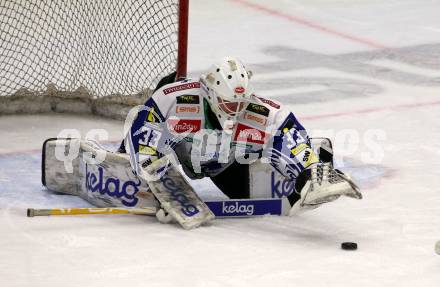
{"x":226,"y":88}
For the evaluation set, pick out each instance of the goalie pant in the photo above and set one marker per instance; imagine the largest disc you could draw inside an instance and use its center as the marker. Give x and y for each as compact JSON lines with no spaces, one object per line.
{"x":175,"y":119}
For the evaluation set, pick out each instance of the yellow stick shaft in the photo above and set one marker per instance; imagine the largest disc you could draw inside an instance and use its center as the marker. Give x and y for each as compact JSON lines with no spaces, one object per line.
{"x":31,"y":212}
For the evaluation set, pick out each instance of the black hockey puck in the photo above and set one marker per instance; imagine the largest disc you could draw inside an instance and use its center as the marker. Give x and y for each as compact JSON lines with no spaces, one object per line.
{"x":349,"y":245}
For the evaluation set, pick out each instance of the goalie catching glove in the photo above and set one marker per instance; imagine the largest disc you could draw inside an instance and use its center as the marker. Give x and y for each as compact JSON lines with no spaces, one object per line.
{"x":321,"y":183}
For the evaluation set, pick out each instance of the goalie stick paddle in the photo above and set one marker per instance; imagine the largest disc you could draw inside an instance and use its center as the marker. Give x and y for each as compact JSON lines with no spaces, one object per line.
{"x":220,"y":208}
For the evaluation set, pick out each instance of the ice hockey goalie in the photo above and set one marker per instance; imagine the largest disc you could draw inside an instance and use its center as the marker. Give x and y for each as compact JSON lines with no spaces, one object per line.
{"x":218,"y":127}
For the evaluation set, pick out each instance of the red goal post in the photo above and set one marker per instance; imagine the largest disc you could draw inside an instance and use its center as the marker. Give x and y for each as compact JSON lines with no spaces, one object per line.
{"x":182,"y":39}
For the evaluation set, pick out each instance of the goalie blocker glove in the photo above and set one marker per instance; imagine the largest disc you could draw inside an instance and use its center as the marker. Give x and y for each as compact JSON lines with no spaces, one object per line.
{"x":321,"y":183}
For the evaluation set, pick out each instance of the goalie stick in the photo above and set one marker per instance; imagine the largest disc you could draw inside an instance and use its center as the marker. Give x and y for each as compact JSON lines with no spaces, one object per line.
{"x":31,"y":212}
{"x":221,"y":208}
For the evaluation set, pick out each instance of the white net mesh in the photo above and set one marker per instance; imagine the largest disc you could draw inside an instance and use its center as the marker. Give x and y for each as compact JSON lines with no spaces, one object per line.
{"x":100,"y":50}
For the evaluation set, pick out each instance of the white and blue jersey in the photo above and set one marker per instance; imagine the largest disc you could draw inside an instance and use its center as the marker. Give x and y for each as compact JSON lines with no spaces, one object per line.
{"x":176,"y":114}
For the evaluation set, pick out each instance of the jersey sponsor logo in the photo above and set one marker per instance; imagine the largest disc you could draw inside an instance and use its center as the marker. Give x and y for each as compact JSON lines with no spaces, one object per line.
{"x":178,"y":194}
{"x":269,"y":102}
{"x":255,"y":118}
{"x":188,"y":99}
{"x":184,"y":126}
{"x":192,"y":109}
{"x":281,"y":187}
{"x":298,"y":149}
{"x":248,"y":134}
{"x":111,"y":186}
{"x":309,"y":157}
{"x":182,"y":87}
{"x":258,"y":109}
{"x":239,"y":90}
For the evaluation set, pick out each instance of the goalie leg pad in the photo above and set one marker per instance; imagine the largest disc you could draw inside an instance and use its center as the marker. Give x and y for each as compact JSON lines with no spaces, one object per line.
{"x":109,"y":183}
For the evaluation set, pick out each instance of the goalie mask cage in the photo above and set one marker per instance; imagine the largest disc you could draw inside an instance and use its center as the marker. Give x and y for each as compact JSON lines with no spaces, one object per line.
{"x":96,"y":56}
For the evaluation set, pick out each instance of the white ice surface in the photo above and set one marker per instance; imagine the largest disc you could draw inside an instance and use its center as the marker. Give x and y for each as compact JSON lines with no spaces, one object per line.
{"x":396,"y":224}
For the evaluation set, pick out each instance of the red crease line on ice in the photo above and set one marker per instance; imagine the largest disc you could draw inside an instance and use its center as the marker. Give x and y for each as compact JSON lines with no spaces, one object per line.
{"x":310,"y":24}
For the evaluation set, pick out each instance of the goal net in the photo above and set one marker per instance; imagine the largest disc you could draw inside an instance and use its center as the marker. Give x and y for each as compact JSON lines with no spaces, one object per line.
{"x":99,"y":56}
